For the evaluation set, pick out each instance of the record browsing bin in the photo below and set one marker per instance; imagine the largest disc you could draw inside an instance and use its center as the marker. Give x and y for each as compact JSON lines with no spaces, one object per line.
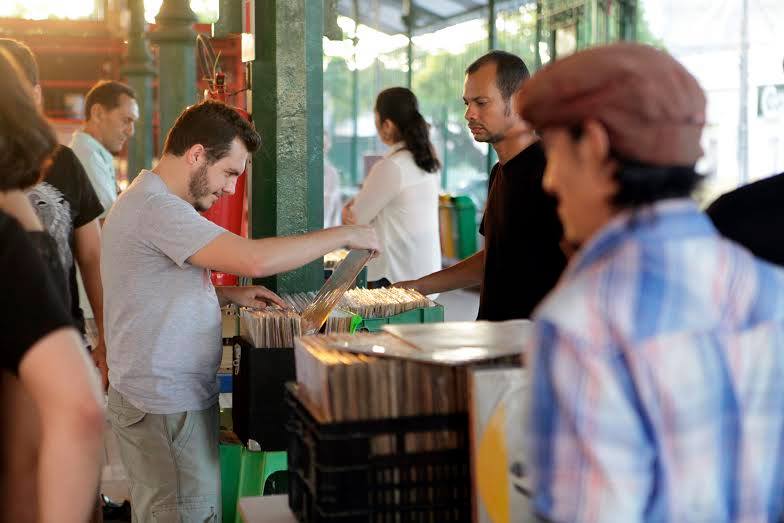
{"x":258,"y":407}
{"x":339,"y":473}
{"x":433,"y":314}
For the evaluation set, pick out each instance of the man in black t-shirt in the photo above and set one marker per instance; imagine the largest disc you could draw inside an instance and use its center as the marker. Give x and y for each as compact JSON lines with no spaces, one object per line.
{"x":522,"y":259}
{"x":753,"y":216}
{"x":65,"y":202}
{"x":68,"y":207}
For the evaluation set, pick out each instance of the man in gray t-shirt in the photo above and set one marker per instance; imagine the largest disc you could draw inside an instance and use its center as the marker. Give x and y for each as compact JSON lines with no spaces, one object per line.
{"x":162,"y":313}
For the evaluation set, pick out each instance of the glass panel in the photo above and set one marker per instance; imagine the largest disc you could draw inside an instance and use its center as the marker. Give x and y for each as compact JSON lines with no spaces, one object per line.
{"x":440,"y":61}
{"x":713,"y":54}
{"x":45,"y":9}
{"x":206,"y":10}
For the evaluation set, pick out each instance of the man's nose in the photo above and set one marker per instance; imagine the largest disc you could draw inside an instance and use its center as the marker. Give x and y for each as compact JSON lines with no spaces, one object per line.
{"x":231,"y":185}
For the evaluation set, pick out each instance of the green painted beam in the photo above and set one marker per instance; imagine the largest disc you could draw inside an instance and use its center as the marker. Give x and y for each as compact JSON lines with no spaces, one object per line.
{"x":139,"y":72}
{"x":355,"y":126}
{"x":176,"y":41}
{"x":491,"y":32}
{"x":229,"y":18}
{"x":355,"y":104}
{"x":410,"y":20}
{"x":410,"y":60}
{"x":491,"y":44}
{"x":628,"y":20}
{"x":287,"y":87}
{"x":538,"y":38}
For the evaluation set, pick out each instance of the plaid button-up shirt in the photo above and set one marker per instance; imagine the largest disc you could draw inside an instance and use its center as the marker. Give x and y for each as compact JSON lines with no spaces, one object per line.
{"x":658,"y":378}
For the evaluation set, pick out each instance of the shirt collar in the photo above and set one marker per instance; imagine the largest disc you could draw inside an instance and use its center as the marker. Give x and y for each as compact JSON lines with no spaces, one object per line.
{"x":94,"y":144}
{"x":676,"y":217}
{"x":395,"y":147}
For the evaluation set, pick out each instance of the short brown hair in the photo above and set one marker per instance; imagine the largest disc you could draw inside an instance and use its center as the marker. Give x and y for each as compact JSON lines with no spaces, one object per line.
{"x":214,"y":125}
{"x":24,"y":57}
{"x":106,"y":93}
{"x":26,"y":140}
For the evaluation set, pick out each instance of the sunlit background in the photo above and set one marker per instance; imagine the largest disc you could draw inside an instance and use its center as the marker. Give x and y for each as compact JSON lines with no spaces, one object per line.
{"x":704,"y":34}
{"x":206,"y":10}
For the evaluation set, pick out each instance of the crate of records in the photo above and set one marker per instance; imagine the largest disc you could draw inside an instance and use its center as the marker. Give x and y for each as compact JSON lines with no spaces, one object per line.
{"x":263,"y":356}
{"x":378,"y":428}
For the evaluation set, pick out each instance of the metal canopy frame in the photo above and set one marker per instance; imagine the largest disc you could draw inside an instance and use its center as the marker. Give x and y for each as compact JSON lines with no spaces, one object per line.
{"x":415,"y":17}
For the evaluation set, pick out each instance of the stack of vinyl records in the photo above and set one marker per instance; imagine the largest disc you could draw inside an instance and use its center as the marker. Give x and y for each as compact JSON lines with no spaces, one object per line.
{"x":270,"y":328}
{"x":277,"y":328}
{"x":382,"y":303}
{"x":410,"y":370}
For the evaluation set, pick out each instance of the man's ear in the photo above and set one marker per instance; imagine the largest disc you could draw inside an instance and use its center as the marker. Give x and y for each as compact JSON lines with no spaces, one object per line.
{"x":195,"y":154}
{"x":594,"y":143}
{"x":97,"y":112}
{"x":594,"y":148}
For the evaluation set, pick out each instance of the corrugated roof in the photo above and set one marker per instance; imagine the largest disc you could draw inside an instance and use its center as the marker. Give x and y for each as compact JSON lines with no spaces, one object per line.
{"x":388,"y":15}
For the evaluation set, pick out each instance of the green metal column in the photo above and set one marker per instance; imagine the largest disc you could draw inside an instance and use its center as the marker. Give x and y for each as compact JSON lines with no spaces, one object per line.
{"x":445,"y":153}
{"x":586,"y":26}
{"x":491,"y":43}
{"x":229,"y":18}
{"x":139,"y":71}
{"x":491,"y":34}
{"x":410,"y":17}
{"x":355,"y":102}
{"x":354,"y":125}
{"x":287,"y":195}
{"x":538,"y":38}
{"x":176,"y":40}
{"x":628,"y":20}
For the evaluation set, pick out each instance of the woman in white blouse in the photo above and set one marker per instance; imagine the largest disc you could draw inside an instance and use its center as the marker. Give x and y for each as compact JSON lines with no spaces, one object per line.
{"x":400,"y":194}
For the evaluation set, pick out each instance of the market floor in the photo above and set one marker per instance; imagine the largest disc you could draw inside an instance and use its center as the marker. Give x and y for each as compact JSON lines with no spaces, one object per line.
{"x":458,"y":306}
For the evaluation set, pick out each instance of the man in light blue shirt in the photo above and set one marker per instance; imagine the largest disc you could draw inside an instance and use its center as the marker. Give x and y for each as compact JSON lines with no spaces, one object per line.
{"x":111,"y":112}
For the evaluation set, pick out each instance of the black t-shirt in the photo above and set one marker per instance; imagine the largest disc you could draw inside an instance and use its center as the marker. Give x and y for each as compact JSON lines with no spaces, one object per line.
{"x":64,"y":201}
{"x":523,"y":258}
{"x":47,"y":250}
{"x":753,"y":216}
{"x":30,"y":307}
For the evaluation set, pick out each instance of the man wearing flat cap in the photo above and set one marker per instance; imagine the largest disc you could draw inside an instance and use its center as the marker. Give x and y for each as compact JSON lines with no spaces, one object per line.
{"x":657,"y":368}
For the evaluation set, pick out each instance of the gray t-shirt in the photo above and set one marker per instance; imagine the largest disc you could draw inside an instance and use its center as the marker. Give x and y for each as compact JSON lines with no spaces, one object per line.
{"x":161,"y":314}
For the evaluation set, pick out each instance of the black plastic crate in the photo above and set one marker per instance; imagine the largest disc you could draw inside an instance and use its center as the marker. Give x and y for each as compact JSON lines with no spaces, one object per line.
{"x":377,"y":471}
{"x":259,"y":409}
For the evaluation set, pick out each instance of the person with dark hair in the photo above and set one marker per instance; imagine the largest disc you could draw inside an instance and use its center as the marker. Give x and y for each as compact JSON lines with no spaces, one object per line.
{"x":111,"y":111}
{"x":163,"y":321}
{"x":522,"y":257}
{"x":657,"y":379}
{"x":51,"y":414}
{"x":752,"y":216}
{"x":399,"y":197}
{"x":69,"y":209}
